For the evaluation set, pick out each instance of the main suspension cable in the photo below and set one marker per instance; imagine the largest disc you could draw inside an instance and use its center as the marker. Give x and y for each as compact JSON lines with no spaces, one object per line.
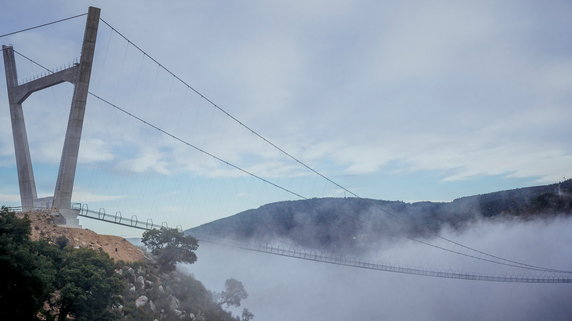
{"x":519,"y":264}
{"x":514,"y":263}
{"x":42,"y":25}
{"x":250,"y":129}
{"x":224,"y":111}
{"x":176,"y":137}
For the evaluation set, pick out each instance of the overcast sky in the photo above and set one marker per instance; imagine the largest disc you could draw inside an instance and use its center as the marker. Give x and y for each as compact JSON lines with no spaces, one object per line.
{"x":398,"y":100}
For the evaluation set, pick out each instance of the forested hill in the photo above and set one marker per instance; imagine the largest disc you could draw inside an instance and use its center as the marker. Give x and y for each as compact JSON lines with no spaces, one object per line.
{"x":353,"y":223}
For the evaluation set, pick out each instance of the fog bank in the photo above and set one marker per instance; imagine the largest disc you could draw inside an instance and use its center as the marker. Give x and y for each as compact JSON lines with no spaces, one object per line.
{"x":283,"y":289}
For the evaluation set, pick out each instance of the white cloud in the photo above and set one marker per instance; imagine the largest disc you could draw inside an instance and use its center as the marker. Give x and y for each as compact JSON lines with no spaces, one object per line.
{"x":148,"y":160}
{"x":9,"y":198}
{"x":94,"y":150}
{"x":78,"y":195}
{"x":85,"y":196}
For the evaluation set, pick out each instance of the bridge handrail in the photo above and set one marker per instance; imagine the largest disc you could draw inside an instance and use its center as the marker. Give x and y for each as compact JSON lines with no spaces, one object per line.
{"x":351,"y":262}
{"x":354,"y":262}
{"x":136,"y":220}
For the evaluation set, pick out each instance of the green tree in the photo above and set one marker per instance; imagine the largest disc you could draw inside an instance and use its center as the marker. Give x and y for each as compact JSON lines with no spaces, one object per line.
{"x":246,"y":315}
{"x":27,"y":274}
{"x":233,"y":293}
{"x":62,"y":242}
{"x":171,"y":247}
{"x":88,"y":286}
{"x":78,"y":283}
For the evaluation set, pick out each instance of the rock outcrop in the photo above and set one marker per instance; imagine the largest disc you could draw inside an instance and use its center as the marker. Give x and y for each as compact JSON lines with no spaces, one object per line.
{"x":118,"y":248}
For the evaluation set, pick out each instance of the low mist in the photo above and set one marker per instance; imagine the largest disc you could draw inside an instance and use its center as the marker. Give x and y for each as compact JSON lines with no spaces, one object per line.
{"x":283,"y":288}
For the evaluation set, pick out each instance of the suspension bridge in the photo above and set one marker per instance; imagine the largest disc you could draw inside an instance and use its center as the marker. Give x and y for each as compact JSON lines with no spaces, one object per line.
{"x":79,"y":74}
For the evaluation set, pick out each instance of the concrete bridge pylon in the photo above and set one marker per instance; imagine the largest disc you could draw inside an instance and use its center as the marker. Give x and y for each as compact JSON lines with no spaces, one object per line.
{"x":79,"y":75}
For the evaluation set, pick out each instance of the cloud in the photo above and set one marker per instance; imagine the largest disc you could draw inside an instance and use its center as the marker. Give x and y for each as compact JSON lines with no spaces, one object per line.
{"x":85,"y":196}
{"x":10,"y":197}
{"x":149,"y":160}
{"x":464,"y":90}
{"x":94,"y":150}
{"x":78,"y":194}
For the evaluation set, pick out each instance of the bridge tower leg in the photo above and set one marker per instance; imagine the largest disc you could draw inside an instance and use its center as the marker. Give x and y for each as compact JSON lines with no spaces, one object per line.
{"x":21,"y":148}
{"x":79,"y":75}
{"x":68,"y":163}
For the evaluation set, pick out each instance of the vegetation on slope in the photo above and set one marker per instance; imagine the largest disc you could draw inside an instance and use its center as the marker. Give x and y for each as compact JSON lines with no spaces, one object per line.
{"x":47,"y":279}
{"x":170,"y":247}
{"x":43,"y":281}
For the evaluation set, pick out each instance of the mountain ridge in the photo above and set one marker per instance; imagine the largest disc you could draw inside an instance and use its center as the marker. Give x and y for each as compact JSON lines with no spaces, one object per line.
{"x":339,"y":224}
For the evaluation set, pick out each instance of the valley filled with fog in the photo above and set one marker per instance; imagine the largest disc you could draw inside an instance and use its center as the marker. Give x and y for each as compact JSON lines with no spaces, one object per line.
{"x":282,"y":288}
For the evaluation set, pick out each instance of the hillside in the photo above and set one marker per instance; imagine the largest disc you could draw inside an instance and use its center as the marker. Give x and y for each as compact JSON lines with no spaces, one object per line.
{"x":116,"y":247}
{"x":338,"y":224}
{"x":146,"y":292}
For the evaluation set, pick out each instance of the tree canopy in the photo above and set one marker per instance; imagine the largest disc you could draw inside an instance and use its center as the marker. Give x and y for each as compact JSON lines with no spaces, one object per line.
{"x":171,"y":247}
{"x":42,"y":281}
{"x":88,"y":286}
{"x":233,"y":293}
{"x":27,"y":274}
